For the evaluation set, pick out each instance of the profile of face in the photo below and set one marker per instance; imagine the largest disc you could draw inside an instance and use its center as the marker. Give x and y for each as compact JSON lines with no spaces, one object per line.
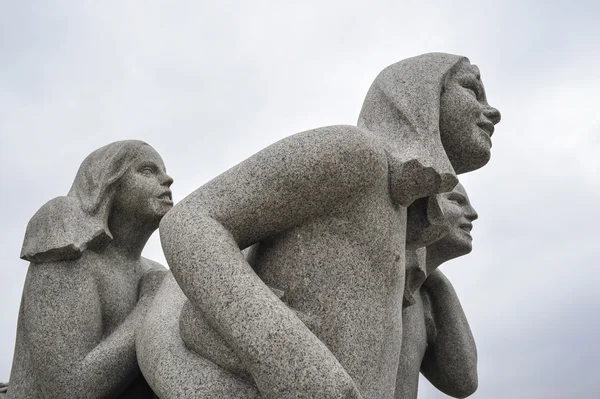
{"x":466,"y":119}
{"x":460,"y":216}
{"x":144,"y":190}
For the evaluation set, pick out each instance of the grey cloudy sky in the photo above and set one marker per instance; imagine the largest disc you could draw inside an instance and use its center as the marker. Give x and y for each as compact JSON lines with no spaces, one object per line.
{"x":208,"y":85}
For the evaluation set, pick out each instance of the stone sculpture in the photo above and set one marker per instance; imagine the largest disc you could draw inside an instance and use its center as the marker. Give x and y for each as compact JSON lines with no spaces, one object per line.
{"x":88,"y":288}
{"x":436,"y":338}
{"x":316,"y":312}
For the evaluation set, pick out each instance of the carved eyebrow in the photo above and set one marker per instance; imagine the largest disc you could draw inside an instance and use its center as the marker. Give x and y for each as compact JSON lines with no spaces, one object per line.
{"x":456,"y":196}
{"x":148,"y":164}
{"x":470,"y":79}
{"x":151,"y":164}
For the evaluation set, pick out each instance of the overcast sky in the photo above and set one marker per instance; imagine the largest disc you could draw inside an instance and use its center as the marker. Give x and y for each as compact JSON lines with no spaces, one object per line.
{"x":208,"y":85}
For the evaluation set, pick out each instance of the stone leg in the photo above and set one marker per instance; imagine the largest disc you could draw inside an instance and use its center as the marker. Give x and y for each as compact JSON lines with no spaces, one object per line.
{"x":171,"y":369}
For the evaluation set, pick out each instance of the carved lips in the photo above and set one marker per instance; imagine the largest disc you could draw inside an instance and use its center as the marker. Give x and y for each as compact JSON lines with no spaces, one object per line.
{"x":487,"y":127}
{"x":166,"y":197}
{"x":466,"y":227}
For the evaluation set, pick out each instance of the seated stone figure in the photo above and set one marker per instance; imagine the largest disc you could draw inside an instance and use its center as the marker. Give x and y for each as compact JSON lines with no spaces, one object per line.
{"x":318,"y":313}
{"x":88,"y":288}
{"x":436,"y":338}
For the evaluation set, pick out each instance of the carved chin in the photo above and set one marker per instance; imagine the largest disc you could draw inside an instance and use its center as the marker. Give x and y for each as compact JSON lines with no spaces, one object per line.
{"x":161,"y":207}
{"x":452,"y":246}
{"x":473,"y":159}
{"x":460,"y":247}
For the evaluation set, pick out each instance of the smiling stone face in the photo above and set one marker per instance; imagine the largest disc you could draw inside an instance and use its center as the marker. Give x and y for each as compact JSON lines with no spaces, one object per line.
{"x":459,"y":215}
{"x":466,"y":119}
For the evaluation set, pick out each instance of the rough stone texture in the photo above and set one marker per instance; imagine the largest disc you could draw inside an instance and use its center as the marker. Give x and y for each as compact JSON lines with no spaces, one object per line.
{"x":175,"y":371}
{"x":327,"y":212}
{"x":88,"y":289}
{"x":436,"y":338}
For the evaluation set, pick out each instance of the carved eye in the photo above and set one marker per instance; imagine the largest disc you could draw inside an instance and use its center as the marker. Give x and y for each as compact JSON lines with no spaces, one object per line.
{"x":473,"y":89}
{"x":473,"y":85}
{"x":147,"y":170}
{"x":457,"y":200}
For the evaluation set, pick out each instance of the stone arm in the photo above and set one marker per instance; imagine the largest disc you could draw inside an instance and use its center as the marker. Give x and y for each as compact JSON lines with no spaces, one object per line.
{"x":63,"y":327}
{"x":450,"y":361}
{"x":286,"y":184}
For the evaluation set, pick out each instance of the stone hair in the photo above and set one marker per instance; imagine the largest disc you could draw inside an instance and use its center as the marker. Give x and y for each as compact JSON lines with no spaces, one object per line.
{"x":64,"y":227}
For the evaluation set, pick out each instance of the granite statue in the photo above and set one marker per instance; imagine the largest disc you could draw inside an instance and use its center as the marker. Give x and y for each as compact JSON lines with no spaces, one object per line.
{"x":315,"y":310}
{"x":88,"y":288}
{"x":436,"y":338}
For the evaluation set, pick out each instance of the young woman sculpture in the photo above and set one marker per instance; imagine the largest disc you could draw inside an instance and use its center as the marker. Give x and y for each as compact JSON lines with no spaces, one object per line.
{"x":327,"y":209}
{"x":436,"y":337}
{"x":88,"y":288}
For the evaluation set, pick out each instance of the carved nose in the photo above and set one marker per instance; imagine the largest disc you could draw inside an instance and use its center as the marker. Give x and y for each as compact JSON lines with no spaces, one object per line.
{"x":492,"y":114}
{"x":168,"y":181}
{"x":471,"y":214}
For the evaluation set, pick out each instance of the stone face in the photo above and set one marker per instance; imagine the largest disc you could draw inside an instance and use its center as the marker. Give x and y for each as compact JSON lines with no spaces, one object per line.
{"x":315,"y":311}
{"x":88,"y":289}
{"x":436,"y":337}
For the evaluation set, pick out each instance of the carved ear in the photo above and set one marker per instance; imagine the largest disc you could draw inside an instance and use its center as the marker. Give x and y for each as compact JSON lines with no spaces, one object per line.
{"x":426,"y":222}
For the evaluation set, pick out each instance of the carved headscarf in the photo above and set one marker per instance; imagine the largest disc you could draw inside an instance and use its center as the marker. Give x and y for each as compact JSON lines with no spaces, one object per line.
{"x":64,"y":227}
{"x":404,"y":101}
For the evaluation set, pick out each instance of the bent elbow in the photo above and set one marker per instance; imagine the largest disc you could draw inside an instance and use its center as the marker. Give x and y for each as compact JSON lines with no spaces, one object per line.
{"x":465,"y":388}
{"x":454,"y":380}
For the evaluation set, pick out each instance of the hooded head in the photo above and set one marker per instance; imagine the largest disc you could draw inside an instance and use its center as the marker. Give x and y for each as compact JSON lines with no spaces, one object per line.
{"x":403,"y":106}
{"x":432,"y":115}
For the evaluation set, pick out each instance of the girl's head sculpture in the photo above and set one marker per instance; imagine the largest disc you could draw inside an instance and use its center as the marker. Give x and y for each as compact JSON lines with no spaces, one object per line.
{"x":434,"y":108}
{"x":126,"y":177}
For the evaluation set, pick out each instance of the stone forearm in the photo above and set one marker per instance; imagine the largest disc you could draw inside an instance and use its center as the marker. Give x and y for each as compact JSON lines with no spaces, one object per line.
{"x":450,"y":362}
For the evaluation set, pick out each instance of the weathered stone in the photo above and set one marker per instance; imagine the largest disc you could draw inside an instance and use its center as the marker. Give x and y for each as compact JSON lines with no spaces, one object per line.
{"x":88,"y":288}
{"x":327,"y":212}
{"x":436,"y":338}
